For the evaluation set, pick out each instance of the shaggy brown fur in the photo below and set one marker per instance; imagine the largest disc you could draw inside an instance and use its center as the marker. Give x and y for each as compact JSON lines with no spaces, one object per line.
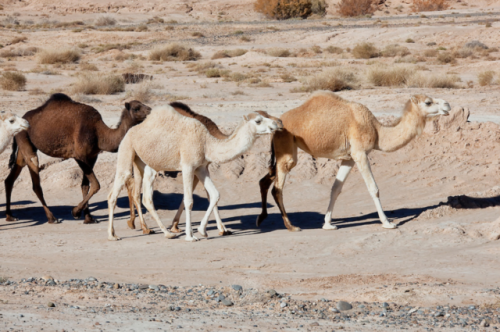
{"x":63,"y":128}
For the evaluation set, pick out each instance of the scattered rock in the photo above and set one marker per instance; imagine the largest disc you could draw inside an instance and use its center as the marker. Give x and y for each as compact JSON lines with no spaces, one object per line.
{"x":343,"y":305}
{"x":47,"y":278}
{"x":484,"y":323}
{"x":154,"y":287}
{"x":283,"y":304}
{"x":227,"y":302}
{"x":237,"y":287}
{"x":116,"y":286}
{"x":51,"y":305}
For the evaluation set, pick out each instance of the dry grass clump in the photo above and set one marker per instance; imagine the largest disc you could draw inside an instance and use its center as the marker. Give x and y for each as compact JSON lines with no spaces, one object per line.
{"x":333,"y":80}
{"x":99,"y":84}
{"x":285,"y":9}
{"x":463,"y":53}
{"x":485,"y":78}
{"x":12,"y":53}
{"x":197,"y":34}
{"x":278,"y":52}
{"x":64,"y":55}
{"x":19,"y":39}
{"x":105,"y":21}
{"x":446,"y":57}
{"x":12,"y":81}
{"x":142,"y":92}
{"x":429,"y":5}
{"x":365,"y":51}
{"x":174,"y":52}
{"x":228,"y":53}
{"x":237,"y":77}
{"x":431,"y":53}
{"x":351,"y":8}
{"x":88,"y":66}
{"x":395,"y":50}
{"x":437,"y":81}
{"x":394,"y":76}
{"x":287,"y":78}
{"x":334,"y":49}
{"x":213,"y":72}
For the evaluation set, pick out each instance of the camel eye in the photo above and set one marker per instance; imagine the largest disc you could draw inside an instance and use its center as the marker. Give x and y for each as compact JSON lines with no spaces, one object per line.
{"x":258,"y":121}
{"x":11,"y":121}
{"x":428,"y":102}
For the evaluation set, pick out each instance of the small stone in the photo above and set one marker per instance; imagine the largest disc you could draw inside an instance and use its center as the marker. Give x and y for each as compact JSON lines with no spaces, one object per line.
{"x":227,"y":302}
{"x":21,"y":315}
{"x":283,"y":304}
{"x":335,"y":310}
{"x":220,"y":298}
{"x":143,"y":287}
{"x":154,"y":287}
{"x":211,"y":292}
{"x":91,"y":279}
{"x":272,"y":293}
{"x":237,"y":288}
{"x":439,"y":314}
{"x":343,"y":305}
{"x":47,"y":278}
{"x":484,"y":323}
{"x":51,"y":305}
{"x":116,"y":286}
{"x":314,"y":324}
{"x":361,"y":306}
{"x":385,"y":305}
{"x":471,"y":307}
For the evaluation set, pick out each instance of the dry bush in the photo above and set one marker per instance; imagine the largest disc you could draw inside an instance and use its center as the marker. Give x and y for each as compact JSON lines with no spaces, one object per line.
{"x":333,"y":80}
{"x":485,"y":78}
{"x":278,"y":52}
{"x":446,"y":57}
{"x":284,"y":9}
{"x":64,"y":55}
{"x":316,"y":49}
{"x":245,"y":39}
{"x":19,"y":39}
{"x":351,"y":8}
{"x":201,"y":67}
{"x":365,"y":51}
{"x":105,"y":21}
{"x":174,"y":52}
{"x":334,"y":49}
{"x":228,"y":53}
{"x":237,"y":77}
{"x":287,"y":78}
{"x":197,"y":34}
{"x":142,"y":92}
{"x":410,"y":41}
{"x":395,"y":50}
{"x":213,"y":72}
{"x":431,"y":53}
{"x":475,"y":44}
{"x":12,"y":53}
{"x":429,"y":5}
{"x":394,"y":76}
{"x":88,"y":66}
{"x":437,"y":81}
{"x":141,"y":28}
{"x":12,"y":81}
{"x":99,"y":84}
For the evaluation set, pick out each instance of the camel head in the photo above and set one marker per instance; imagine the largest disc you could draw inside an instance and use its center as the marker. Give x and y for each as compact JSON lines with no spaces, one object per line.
{"x":137,"y":110}
{"x":262,"y":125}
{"x":266,"y":115}
{"x":430,"y":107}
{"x":13,"y":124}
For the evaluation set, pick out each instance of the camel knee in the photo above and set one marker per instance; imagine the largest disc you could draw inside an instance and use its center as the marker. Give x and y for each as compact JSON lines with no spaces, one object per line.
{"x":188,"y":204}
{"x":34,"y":161}
{"x":374,"y":192}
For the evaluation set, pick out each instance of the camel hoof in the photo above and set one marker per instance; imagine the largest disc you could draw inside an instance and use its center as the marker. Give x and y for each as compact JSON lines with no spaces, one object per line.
{"x":202,"y":232}
{"x":294,"y":229}
{"x":90,"y":220}
{"x":329,"y":227}
{"x":389,"y":225}
{"x":191,"y":239}
{"x":76,"y":213}
{"x":260,"y":219}
{"x":225,"y":233}
{"x":130,"y":224}
{"x":11,"y":218}
{"x":170,"y":235}
{"x":54,"y":221}
{"x":114,"y":238}
{"x":175,"y":230}
{"x":148,"y":231}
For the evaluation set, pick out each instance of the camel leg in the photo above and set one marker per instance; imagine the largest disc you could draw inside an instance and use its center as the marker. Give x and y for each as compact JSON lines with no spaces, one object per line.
{"x":136,"y":193}
{"x":220,"y":225}
{"x":121,"y":178}
{"x":85,"y":189}
{"x":204,"y":176}
{"x":94,"y":188}
{"x":344,"y":170}
{"x":9,"y":185}
{"x":130,"y":191}
{"x":265,"y":183}
{"x":363,"y":164}
{"x":187,"y":177}
{"x":175,"y":223}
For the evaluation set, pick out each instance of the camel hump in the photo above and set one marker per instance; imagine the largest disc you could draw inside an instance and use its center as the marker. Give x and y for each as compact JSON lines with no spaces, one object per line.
{"x":60,"y":97}
{"x":184,"y":107}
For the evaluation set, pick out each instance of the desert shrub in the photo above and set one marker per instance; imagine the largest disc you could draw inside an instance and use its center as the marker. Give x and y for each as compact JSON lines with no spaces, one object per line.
{"x":201,"y":67}
{"x":285,"y":9}
{"x":463,"y":53}
{"x":485,"y":78}
{"x":174,"y":52}
{"x":394,"y":76}
{"x":19,"y":39}
{"x":213,"y":72}
{"x":334,"y":49}
{"x":437,"y":81}
{"x":278,"y":52}
{"x":287,"y":78}
{"x":155,"y":20}
{"x":245,"y":39}
{"x":141,"y":28}
{"x":88,"y":66}
{"x":64,"y":55}
{"x":409,"y":40}
{"x":365,"y":51}
{"x":197,"y":34}
{"x":12,"y":53}
{"x":431,"y":44}
{"x":350,"y":8}
{"x":474,"y":44}
{"x":99,"y":84}
{"x":429,"y":5}
{"x":446,"y":57}
{"x":316,"y":49}
{"x":333,"y":80}
{"x":105,"y":21}
{"x":142,"y":92}
{"x":12,"y":81}
{"x":228,"y":53}
{"x":237,"y":77}
{"x":395,"y":50}
{"x":431,"y":53}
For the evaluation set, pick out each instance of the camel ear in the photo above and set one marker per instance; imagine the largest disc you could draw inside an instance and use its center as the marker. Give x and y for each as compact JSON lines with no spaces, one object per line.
{"x":246,"y":118}
{"x":127,"y":106}
{"x":414,"y":100}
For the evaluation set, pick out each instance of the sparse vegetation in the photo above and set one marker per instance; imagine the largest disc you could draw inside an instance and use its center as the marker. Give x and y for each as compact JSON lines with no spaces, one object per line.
{"x":142,"y":92}
{"x":64,"y":55}
{"x":395,"y":50}
{"x":446,"y":57}
{"x":437,"y":81}
{"x":334,"y":49}
{"x":429,"y":5}
{"x":141,"y":28}
{"x":394,"y":76}
{"x":409,"y":40}
{"x":287,"y":78}
{"x":285,"y":9}
{"x":88,"y":66}
{"x":333,"y":80}
{"x":12,"y":81}
{"x":228,"y":53}
{"x":353,"y":8}
{"x":278,"y":52}
{"x":365,"y":51}
{"x":105,"y":21}
{"x":99,"y":84}
{"x":476,"y":44}
{"x":485,"y":78}
{"x":174,"y":52}
{"x":197,"y":34}
{"x":213,"y":72}
{"x":430,"y":53}
{"x":19,"y":39}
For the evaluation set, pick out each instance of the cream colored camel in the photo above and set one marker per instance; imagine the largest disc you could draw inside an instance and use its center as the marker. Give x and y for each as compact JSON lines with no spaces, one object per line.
{"x":168,"y":141}
{"x":327,"y":126}
{"x":10,"y":126}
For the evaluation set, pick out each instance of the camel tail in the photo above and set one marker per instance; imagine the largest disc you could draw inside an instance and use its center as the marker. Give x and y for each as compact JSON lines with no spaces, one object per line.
{"x":13,"y":155}
{"x":272,"y":162}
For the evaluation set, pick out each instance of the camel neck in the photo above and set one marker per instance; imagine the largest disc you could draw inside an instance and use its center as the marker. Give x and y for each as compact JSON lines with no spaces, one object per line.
{"x":223,"y":150}
{"x":411,"y":124}
{"x":110,"y":139}
{"x":4,"y":136}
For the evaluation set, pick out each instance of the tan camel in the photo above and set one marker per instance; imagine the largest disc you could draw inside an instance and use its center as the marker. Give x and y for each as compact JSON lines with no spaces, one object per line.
{"x":168,"y":141}
{"x":150,"y":174}
{"x":327,"y":126}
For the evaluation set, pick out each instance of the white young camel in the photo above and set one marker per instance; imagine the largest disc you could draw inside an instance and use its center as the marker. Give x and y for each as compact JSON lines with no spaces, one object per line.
{"x":10,"y":126}
{"x":168,"y":141}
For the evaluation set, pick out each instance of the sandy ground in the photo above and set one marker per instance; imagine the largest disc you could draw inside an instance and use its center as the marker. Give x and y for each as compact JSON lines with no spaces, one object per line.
{"x":442,"y":189}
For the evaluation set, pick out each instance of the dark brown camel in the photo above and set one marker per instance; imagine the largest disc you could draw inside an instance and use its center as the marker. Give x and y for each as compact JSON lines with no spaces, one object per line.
{"x":214,"y":131}
{"x":63,"y":128}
